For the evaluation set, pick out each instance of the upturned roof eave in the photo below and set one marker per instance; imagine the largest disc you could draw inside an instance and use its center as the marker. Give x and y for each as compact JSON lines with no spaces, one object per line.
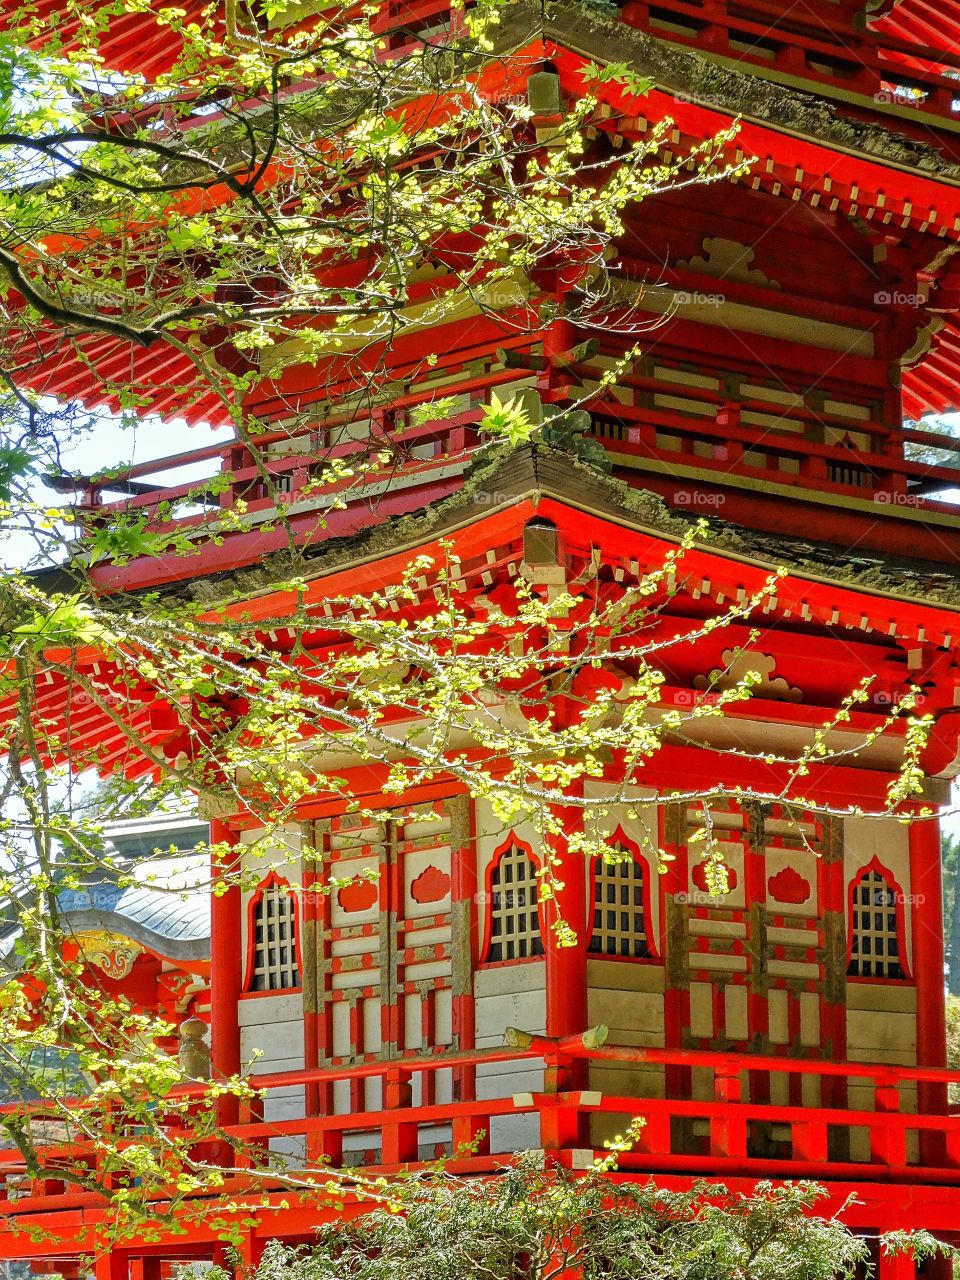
{"x":533,"y":473}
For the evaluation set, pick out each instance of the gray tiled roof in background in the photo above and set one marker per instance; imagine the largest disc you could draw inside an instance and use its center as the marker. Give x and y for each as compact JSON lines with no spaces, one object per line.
{"x":167,"y":907}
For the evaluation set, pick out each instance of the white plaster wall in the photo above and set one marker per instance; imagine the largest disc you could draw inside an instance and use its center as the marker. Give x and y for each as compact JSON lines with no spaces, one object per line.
{"x":510,"y":995}
{"x":273,"y":1024}
{"x":627,"y":997}
{"x":881,"y":1022}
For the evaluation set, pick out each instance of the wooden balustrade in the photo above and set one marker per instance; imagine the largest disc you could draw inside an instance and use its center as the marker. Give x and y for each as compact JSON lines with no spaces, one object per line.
{"x":815,"y":45}
{"x":882,"y":473}
{"x":723,"y":1132}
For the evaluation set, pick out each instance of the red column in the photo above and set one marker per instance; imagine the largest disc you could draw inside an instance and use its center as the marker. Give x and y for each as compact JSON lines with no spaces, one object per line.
{"x":928,"y":965}
{"x":833,"y":1006}
{"x":468,"y":1131}
{"x":465,"y":922}
{"x":898,"y":1266}
{"x":566,"y":967}
{"x":226,"y":973}
{"x":673,"y":893}
{"x":309,"y":943}
{"x":758,"y":992}
{"x":563,"y":1125}
{"x":112,"y":1265}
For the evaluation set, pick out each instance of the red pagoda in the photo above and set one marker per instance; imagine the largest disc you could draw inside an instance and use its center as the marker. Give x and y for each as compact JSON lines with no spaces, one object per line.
{"x":808,"y":316}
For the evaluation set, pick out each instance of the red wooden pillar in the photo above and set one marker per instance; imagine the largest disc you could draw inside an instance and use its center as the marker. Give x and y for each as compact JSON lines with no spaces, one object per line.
{"x":758,"y":1002}
{"x":309,"y":926}
{"x":563,"y":1126}
{"x":469,"y":1131}
{"x":928,"y":973}
{"x":112,"y":1265}
{"x":899,"y":1266}
{"x":566,"y":967}
{"x":226,"y":974}
{"x":833,"y":1006}
{"x":673,"y":942}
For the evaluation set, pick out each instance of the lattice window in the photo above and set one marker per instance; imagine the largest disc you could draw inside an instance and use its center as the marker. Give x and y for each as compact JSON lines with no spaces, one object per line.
{"x":844,"y":472}
{"x":275,"y":940}
{"x":514,"y":914}
{"x":875,"y":938}
{"x":619,"y":923}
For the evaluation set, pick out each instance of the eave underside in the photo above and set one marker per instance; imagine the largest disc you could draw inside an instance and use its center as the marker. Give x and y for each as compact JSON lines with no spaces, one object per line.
{"x":630,"y":530}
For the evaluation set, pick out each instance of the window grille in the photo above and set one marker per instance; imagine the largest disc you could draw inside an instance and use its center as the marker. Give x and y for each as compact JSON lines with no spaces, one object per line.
{"x":514,"y":913}
{"x":842,"y":471}
{"x":275,"y":940}
{"x":619,"y":926}
{"x":875,"y":946}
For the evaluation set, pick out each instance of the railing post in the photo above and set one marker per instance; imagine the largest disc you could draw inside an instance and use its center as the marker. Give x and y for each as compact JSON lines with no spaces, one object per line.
{"x":325,"y":1147}
{"x":653,"y":1137}
{"x":560,"y":1120}
{"x":888,"y":1143}
{"x":227,"y":984}
{"x":728,"y":415}
{"x":400,"y":1137}
{"x":809,"y":1139}
{"x":114,"y":1264}
{"x":896,"y":1266}
{"x":250,"y":1111}
{"x":928,"y":967}
{"x":248,"y":1252}
{"x":471,"y":1135}
{"x":728,"y":1131}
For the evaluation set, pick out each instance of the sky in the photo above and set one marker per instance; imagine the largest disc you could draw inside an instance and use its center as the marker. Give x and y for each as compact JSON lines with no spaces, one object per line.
{"x":108,"y":444}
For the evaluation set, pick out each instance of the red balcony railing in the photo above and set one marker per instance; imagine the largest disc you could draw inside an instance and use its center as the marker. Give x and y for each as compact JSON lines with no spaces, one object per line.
{"x":816,"y":43}
{"x":761,"y":439}
{"x":871,"y":1122}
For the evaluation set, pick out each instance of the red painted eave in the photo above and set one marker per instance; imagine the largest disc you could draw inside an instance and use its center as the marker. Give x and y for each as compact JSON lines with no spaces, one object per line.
{"x":624,"y":544}
{"x":817,"y":600}
{"x":932,"y":25}
{"x":134,"y":43}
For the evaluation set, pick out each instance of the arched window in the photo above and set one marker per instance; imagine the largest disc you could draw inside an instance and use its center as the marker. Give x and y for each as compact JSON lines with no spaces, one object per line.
{"x":273,"y":922}
{"x":514,"y":932}
{"x":875,"y":945}
{"x":619,"y":909}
